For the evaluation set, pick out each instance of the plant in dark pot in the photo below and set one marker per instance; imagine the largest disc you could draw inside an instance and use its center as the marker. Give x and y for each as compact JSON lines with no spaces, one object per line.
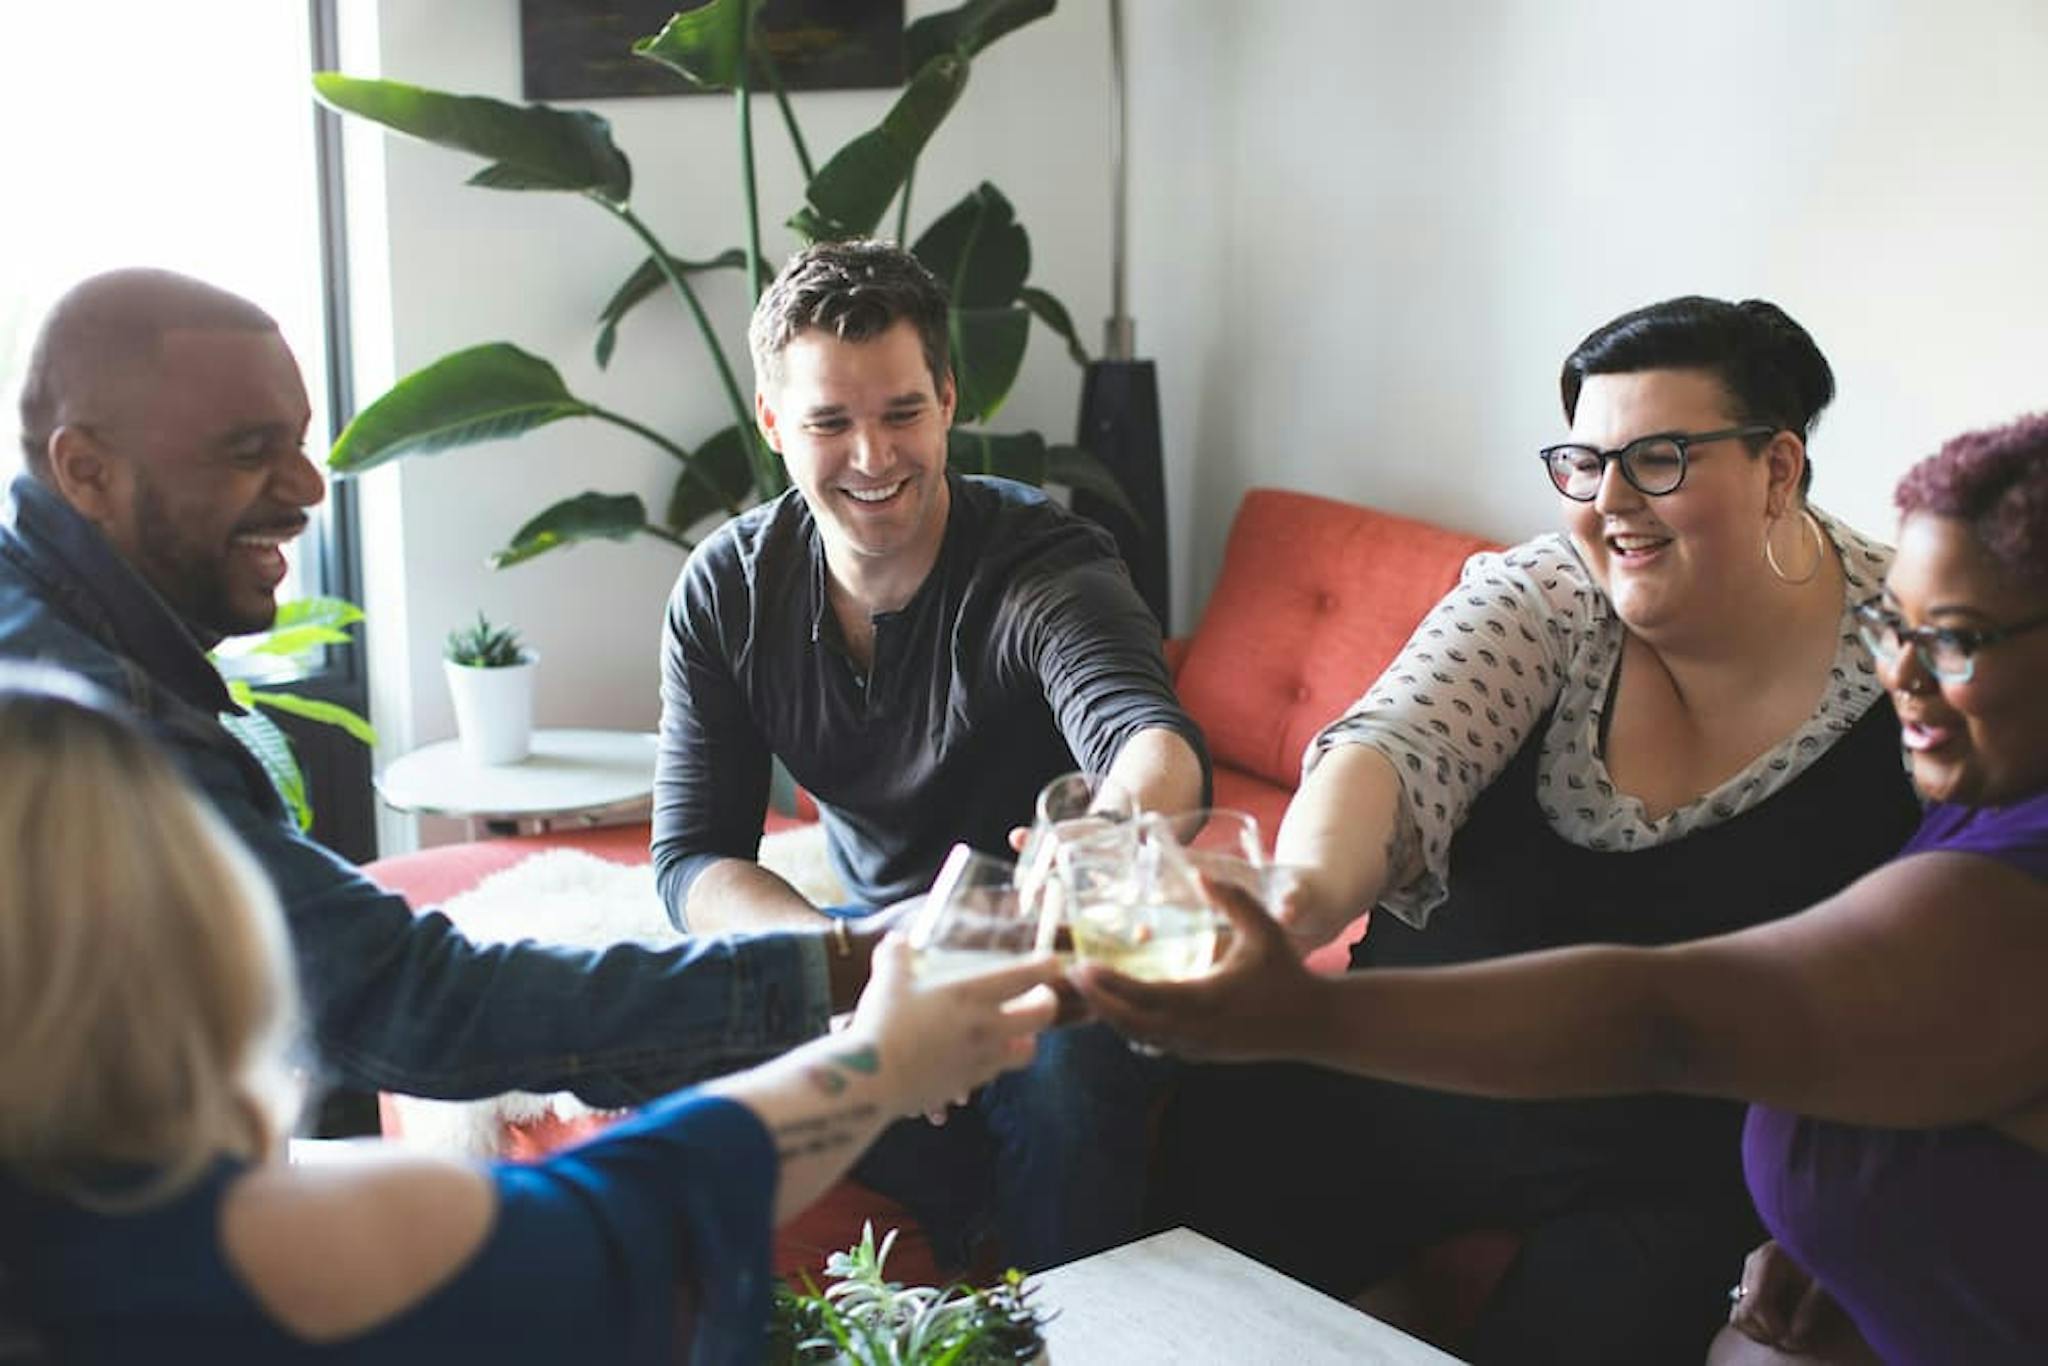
{"x":496,"y":390}
{"x":490,"y":679}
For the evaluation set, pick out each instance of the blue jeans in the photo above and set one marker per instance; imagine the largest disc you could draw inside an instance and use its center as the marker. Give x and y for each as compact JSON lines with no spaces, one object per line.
{"x":1052,"y":1158}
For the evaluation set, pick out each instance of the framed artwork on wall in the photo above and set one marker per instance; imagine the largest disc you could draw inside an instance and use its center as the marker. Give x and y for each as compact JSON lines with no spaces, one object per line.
{"x":583,"y":49}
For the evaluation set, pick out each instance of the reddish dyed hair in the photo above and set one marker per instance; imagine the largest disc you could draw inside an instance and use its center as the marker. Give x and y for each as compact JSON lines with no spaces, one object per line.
{"x":1996,"y":481}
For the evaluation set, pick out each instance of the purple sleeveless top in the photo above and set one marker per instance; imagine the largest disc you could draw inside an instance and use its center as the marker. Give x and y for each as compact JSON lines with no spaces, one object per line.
{"x":1934,"y":1240}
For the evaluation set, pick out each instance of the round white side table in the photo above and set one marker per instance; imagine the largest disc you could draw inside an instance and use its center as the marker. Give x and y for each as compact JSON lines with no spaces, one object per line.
{"x":579,"y":775}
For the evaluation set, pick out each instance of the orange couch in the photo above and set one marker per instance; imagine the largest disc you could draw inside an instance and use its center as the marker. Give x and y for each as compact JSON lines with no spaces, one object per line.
{"x":1314,"y":599}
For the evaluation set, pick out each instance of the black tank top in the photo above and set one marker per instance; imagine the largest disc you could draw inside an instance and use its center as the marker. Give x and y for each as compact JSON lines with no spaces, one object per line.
{"x":1517,"y":885}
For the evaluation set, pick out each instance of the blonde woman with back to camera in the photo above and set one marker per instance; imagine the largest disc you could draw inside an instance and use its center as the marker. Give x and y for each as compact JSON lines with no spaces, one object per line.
{"x":145,"y":1007}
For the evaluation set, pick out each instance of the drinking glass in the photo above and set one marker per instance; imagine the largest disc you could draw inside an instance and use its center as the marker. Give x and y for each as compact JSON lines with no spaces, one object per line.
{"x":974,"y":919}
{"x":1072,"y":808}
{"x":1154,"y":922}
{"x":1225,"y":844}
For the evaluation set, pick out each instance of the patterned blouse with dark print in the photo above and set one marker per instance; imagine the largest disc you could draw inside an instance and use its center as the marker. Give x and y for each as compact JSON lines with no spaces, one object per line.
{"x":1528,"y":633}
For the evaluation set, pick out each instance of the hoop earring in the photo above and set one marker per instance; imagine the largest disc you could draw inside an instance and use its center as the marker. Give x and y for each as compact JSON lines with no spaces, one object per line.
{"x":1820,"y":550}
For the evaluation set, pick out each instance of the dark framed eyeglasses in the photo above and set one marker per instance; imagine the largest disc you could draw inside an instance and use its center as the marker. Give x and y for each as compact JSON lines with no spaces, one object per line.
{"x":1947,"y":652}
{"x":1654,"y":465}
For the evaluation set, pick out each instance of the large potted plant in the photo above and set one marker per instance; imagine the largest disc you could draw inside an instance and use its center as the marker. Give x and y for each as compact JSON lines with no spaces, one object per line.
{"x":496,"y":390}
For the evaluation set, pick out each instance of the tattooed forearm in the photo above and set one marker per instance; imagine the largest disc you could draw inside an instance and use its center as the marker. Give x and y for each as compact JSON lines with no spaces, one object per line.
{"x":822,"y":1133}
{"x":829,"y":1076}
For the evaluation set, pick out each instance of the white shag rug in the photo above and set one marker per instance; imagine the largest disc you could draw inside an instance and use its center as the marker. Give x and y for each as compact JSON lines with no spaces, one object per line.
{"x":565,"y":896}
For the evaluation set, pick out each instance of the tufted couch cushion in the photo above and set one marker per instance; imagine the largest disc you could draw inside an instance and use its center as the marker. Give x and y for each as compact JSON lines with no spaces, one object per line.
{"x":1314,"y":599}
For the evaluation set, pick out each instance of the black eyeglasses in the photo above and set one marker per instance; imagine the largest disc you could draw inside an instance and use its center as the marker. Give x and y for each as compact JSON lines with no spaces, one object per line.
{"x":1655,"y":465}
{"x":1947,"y":652}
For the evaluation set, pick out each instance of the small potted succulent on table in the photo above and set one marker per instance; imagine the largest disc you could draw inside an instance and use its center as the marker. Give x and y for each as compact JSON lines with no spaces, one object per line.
{"x":490,"y":678}
{"x":862,"y":1319}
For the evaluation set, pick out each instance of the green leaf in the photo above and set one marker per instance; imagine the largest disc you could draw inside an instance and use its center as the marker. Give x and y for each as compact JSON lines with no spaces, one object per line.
{"x":296,"y":641}
{"x":968,"y":28}
{"x":586,"y":517}
{"x":1077,"y":469}
{"x":483,"y":394}
{"x":645,"y":280}
{"x":988,"y":351}
{"x":850,"y":193}
{"x":1053,"y":314}
{"x":533,"y":147}
{"x":500,"y":176}
{"x":261,"y":737}
{"x":316,"y":611}
{"x":305,"y":624}
{"x":313,"y":709}
{"x":979,"y":249}
{"x":1012,"y":455}
{"x":718,"y":480}
{"x":705,"y":45}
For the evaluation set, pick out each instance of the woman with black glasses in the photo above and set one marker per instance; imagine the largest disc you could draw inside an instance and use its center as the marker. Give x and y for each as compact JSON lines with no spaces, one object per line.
{"x":1658,"y":725}
{"x":1893,"y":1038}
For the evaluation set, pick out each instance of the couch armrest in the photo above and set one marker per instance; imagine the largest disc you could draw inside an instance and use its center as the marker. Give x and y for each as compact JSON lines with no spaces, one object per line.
{"x":1176,"y":651}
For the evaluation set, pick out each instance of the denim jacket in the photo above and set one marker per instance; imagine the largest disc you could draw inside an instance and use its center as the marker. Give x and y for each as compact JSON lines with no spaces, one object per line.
{"x":396,"y":1002}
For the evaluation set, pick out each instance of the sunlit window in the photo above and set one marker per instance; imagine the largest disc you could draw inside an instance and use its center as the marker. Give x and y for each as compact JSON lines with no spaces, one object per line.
{"x":174,"y":135}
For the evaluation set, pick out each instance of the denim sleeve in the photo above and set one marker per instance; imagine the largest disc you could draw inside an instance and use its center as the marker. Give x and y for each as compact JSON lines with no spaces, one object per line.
{"x":1096,"y":649}
{"x":711,"y":772}
{"x":408,"y":1004}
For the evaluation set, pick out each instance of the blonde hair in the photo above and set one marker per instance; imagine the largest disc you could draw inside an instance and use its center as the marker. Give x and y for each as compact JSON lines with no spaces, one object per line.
{"x":145,"y":988}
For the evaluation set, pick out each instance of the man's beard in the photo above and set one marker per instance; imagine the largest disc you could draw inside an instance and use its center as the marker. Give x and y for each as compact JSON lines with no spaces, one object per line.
{"x":193,"y":582}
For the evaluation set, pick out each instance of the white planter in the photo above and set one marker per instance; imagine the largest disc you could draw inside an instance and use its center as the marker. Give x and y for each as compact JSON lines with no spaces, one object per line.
{"x":493,"y":709}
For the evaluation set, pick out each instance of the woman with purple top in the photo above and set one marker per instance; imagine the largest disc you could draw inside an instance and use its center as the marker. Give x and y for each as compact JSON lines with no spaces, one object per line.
{"x":1893,"y":1039}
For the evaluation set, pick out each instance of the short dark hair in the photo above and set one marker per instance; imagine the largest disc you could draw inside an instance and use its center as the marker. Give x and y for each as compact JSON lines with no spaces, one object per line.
{"x":1770,"y":366}
{"x":856,"y":290}
{"x":1996,"y":482}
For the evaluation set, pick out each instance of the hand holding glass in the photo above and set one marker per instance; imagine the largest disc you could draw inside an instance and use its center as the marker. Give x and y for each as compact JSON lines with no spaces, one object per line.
{"x":1151,"y":920}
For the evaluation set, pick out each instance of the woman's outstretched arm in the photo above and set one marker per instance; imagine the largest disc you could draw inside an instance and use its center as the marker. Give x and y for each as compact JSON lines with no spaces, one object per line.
{"x":910,"y":1049}
{"x":1910,"y":999}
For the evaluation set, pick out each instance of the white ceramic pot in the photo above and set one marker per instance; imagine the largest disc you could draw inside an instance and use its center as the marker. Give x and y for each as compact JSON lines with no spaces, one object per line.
{"x":493,"y":709}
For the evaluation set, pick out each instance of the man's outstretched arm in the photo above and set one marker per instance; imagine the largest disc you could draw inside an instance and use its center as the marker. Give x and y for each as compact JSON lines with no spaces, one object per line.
{"x":403,"y":1003}
{"x":736,"y":894}
{"x":1096,"y":649}
{"x":1160,"y":769}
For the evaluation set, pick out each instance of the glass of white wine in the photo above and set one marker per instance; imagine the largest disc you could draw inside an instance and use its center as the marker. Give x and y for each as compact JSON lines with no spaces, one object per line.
{"x":974,"y":919}
{"x":1154,"y":922}
{"x":1072,"y":808}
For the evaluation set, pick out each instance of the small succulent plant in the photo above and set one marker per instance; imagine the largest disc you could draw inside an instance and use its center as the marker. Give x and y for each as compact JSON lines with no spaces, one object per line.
{"x":864,"y":1319}
{"x":484,"y":646}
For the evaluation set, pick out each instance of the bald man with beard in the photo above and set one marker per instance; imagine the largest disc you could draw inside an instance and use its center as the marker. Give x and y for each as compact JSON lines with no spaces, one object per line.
{"x":163,"y":423}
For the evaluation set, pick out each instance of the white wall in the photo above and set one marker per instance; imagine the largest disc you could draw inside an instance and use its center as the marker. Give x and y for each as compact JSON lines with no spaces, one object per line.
{"x":1368,"y":231}
{"x":1364,"y":235}
{"x":466,"y":265}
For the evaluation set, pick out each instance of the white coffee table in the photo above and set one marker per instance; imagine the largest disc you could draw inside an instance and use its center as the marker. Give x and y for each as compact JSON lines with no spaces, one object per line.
{"x":1180,"y":1297}
{"x":585,"y":776}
